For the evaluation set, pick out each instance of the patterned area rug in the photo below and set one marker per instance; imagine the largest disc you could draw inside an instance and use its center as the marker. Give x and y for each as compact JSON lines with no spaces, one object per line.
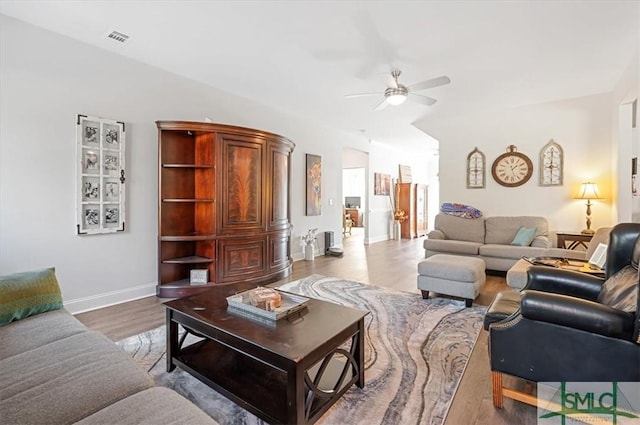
{"x":415,"y":353}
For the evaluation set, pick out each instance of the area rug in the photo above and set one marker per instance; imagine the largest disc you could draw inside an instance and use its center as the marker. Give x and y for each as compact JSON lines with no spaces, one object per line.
{"x":415,"y":353}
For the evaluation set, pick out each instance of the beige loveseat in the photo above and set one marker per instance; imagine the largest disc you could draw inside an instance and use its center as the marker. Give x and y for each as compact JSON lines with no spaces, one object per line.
{"x":489,"y":238}
{"x":53,"y":370}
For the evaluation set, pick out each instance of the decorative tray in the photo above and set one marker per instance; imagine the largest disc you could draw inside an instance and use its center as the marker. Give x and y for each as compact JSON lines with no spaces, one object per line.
{"x":568,"y":264}
{"x":290,"y":303}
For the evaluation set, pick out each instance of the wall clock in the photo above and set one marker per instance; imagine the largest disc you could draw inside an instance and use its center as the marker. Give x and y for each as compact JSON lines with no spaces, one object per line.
{"x":551,"y":164}
{"x":512,"y":169}
{"x":475,"y":170}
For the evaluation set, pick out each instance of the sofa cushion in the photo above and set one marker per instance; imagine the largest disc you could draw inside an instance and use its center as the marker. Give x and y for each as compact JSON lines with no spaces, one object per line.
{"x":34,"y":331}
{"x":67,"y":380}
{"x":460,"y":229}
{"x":502,"y":230}
{"x":29,"y":293}
{"x":510,"y":251}
{"x":452,"y":246}
{"x":150,"y":407}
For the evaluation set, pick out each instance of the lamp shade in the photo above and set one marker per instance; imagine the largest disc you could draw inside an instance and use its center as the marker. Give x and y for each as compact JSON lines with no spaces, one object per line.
{"x":588,"y":190}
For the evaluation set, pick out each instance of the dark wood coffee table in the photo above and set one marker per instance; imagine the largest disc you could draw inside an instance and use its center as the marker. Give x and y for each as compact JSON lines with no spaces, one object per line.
{"x":289,"y":371}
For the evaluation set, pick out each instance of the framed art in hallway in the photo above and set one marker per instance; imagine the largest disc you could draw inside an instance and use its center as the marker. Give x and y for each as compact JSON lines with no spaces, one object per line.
{"x":314,"y":184}
{"x":100,"y":190}
{"x":381,"y":184}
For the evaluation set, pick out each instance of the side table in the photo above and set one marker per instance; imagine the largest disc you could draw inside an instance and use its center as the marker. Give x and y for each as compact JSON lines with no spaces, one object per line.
{"x":576,"y":239}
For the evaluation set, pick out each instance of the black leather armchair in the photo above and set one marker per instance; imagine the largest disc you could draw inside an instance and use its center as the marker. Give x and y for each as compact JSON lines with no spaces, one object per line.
{"x":571,"y":326}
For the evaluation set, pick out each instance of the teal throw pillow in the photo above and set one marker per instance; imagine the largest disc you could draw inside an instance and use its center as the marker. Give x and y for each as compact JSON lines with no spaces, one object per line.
{"x":29,"y":293}
{"x":524,"y":237}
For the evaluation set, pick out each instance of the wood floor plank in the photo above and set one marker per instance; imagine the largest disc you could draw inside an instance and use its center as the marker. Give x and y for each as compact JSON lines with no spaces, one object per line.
{"x":391,"y":264}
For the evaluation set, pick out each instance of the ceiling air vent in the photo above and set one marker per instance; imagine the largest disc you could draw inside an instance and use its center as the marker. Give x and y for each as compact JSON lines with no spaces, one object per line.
{"x":118,"y":36}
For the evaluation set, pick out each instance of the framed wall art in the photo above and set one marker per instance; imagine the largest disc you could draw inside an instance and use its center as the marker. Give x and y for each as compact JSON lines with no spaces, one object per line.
{"x":100,"y":175}
{"x":314,"y":184}
{"x":404,"y":173}
{"x":476,"y":170}
{"x":551,"y":164}
{"x":381,"y":184}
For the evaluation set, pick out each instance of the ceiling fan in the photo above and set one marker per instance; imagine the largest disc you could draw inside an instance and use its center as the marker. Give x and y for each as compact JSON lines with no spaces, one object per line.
{"x":397,"y":94}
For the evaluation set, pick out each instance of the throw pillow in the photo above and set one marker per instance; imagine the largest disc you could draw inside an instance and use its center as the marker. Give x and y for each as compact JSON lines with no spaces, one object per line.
{"x":27,"y":294}
{"x":524,"y":237}
{"x":620,"y":291}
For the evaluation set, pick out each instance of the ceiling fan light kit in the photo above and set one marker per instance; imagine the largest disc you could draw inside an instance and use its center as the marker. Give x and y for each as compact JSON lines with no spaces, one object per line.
{"x":395,"y":97}
{"x":396,"y":94}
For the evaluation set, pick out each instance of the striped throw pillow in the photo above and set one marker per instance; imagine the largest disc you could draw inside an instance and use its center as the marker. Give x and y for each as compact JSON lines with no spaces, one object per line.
{"x":29,"y":293}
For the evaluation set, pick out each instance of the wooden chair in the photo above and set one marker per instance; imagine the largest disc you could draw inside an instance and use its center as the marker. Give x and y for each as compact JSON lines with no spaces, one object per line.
{"x":347,"y":222}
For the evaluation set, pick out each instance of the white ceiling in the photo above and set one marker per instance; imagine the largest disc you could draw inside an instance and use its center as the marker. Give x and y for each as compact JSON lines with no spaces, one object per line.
{"x":303,"y":57}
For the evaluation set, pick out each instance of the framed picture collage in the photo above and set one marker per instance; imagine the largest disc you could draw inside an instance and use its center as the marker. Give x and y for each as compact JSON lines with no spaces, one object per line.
{"x":100,"y":175}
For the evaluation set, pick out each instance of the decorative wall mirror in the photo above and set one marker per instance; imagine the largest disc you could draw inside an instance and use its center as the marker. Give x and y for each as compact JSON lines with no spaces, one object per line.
{"x":551,"y":164}
{"x":100,"y":175}
{"x":476,"y":170}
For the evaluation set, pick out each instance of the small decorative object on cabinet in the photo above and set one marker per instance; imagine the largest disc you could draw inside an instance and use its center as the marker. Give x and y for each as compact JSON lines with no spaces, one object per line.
{"x":199,"y":277}
{"x":354,"y":214}
{"x":551,"y":164}
{"x":412,"y":200}
{"x":100,"y":176}
{"x":476,"y":170}
{"x":223,"y":206}
{"x":512,"y":169}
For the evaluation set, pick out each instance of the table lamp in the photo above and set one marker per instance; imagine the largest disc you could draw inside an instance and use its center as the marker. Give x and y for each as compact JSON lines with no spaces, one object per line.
{"x":588,"y":191}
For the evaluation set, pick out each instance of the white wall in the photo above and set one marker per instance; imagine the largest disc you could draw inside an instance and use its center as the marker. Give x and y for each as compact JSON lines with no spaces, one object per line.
{"x":625,"y":142}
{"x":45,"y":80}
{"x":386,"y":159}
{"x":581,"y":126}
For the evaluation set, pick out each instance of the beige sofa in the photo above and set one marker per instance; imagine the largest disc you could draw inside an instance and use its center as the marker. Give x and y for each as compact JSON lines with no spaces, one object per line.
{"x":53,"y":370}
{"x":490,"y":239}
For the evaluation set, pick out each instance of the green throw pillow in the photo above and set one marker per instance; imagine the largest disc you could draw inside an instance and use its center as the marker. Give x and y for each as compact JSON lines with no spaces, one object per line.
{"x":26,"y":294}
{"x":524,"y":237}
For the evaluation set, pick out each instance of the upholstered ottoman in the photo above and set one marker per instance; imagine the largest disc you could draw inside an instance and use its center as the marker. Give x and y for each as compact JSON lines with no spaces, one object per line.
{"x":452,"y":275}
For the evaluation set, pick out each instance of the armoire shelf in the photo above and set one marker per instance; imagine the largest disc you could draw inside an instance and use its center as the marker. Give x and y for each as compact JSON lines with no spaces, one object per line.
{"x":192,"y":259}
{"x":223,"y":205}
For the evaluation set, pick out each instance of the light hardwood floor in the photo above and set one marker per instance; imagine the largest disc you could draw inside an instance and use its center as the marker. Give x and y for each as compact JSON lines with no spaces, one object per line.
{"x":390,"y":264}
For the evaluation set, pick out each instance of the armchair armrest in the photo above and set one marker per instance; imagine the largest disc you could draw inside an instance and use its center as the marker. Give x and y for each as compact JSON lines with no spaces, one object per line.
{"x":541,"y":242}
{"x":576,"y":313}
{"x":435,"y":234}
{"x":567,"y":282}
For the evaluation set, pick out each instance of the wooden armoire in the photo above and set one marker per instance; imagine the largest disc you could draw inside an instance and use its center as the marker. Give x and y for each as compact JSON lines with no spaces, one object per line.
{"x":223,"y":206}
{"x":412,"y":199}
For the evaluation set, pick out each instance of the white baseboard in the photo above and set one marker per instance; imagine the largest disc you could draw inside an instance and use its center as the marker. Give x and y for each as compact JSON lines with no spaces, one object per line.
{"x":380,"y":238}
{"x":94,"y":302}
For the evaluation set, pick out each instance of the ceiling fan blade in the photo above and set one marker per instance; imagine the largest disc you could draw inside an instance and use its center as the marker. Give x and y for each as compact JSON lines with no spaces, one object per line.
{"x":434,"y":82}
{"x":425,"y":100}
{"x":381,"y":105}
{"x":349,"y":96}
